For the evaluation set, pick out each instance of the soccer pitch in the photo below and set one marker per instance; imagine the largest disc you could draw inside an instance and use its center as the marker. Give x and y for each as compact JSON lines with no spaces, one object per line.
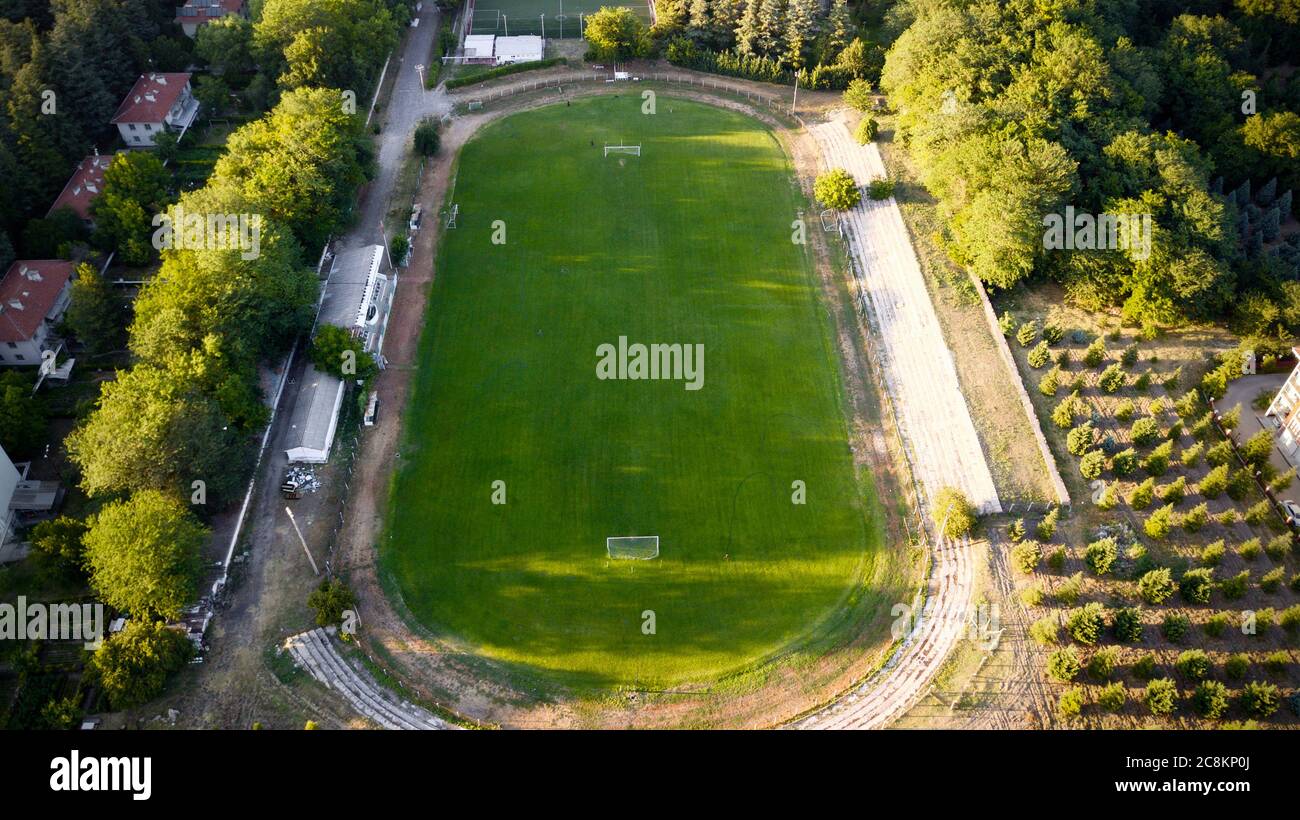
{"x":525,"y":16}
{"x":689,"y":243}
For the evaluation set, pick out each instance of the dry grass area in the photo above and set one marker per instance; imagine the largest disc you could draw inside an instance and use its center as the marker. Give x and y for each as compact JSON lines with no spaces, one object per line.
{"x":1246,"y":623}
{"x":1005,"y":433}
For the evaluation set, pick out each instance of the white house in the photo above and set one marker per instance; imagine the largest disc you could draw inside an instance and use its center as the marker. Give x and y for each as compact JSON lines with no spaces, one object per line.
{"x":8,"y":483}
{"x":197,"y":12}
{"x":1285,"y":412}
{"x":156,"y":102}
{"x":523,"y":48}
{"x":358,"y":296}
{"x":478,"y":49}
{"x":34,"y":293}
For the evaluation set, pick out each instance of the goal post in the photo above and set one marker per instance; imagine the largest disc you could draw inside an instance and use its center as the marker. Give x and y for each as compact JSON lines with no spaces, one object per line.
{"x":634,"y":150}
{"x":632,"y":547}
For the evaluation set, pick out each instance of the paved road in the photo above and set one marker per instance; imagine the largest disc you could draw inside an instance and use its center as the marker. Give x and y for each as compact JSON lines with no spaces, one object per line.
{"x":408,"y":104}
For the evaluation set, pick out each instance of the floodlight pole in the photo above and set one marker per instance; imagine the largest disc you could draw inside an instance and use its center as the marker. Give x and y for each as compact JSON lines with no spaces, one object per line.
{"x":543,"y":25}
{"x":795,"y":104}
{"x":506,"y":21}
{"x":302,"y":540}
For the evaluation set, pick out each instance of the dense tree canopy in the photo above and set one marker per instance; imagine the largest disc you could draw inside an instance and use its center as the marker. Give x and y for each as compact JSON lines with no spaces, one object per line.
{"x":133,"y":665}
{"x":1018,"y":114}
{"x":143,"y":554}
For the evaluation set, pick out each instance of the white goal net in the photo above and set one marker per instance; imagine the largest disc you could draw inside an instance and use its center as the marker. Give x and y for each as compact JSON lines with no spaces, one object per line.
{"x":634,"y":150}
{"x":633,"y":547}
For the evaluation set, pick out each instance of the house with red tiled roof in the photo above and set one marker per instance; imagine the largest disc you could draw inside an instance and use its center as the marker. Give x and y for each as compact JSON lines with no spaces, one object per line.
{"x":197,"y":12}
{"x":34,"y":293}
{"x":157,"y":102}
{"x":83,"y":187}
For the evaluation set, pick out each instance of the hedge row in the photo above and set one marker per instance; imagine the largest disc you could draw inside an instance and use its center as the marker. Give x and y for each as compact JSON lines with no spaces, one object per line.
{"x":503,"y":71}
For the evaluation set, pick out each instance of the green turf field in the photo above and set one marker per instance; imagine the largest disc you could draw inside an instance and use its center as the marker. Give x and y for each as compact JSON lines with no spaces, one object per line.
{"x":689,"y":243}
{"x":525,"y":16}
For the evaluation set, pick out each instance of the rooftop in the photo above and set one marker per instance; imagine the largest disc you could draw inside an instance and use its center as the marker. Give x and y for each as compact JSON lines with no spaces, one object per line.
{"x":353,"y":286}
{"x":202,"y":11}
{"x":86,"y":183}
{"x":315,"y":416}
{"x":28,"y":292}
{"x":151,"y":98}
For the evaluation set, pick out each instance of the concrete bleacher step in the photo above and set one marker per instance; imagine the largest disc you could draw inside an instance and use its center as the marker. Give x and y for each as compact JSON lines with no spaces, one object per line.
{"x":315,"y":652}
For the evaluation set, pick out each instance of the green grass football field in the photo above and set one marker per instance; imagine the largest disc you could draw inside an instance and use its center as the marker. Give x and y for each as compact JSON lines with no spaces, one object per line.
{"x":689,"y":243}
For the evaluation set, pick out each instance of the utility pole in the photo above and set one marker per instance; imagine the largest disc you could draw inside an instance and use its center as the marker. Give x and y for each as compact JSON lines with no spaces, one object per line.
{"x":795,"y":104}
{"x":302,"y":540}
{"x":543,"y":25}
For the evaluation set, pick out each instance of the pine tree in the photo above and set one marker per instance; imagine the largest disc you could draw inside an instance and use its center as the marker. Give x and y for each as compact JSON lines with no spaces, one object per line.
{"x":1284,"y":205}
{"x":771,"y":28}
{"x":839,"y":29}
{"x":725,"y":17}
{"x":1271,"y":224}
{"x":747,"y":30}
{"x":800,"y":31}
{"x":697,"y":23}
{"x":1266,"y":192}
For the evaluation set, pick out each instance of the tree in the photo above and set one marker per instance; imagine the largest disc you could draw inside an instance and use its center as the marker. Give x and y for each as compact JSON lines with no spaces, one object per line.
{"x":1063,"y":665}
{"x":213,"y":93}
{"x":158,"y":428}
{"x":256,"y":307}
{"x":858,"y":95}
{"x":53,"y":236}
{"x":1210,"y":699}
{"x":1086,"y":623}
{"x":96,"y":314}
{"x":1259,"y":700}
{"x":166,"y":145}
{"x":747,"y":30}
{"x":143,"y":554}
{"x":336,"y":351}
{"x":61,"y":541}
{"x":297,"y":166}
{"x":22,"y":415}
{"x":427,"y":138}
{"x":330,"y":601}
{"x":133,"y":665}
{"x":1026,"y":555}
{"x":800,"y":31}
{"x":616,"y":34}
{"x":836,"y":189}
{"x":338,"y":44}
{"x":1101,"y":555}
{"x":839,"y":27}
{"x":953,"y":512}
{"x":225,"y":44}
{"x":866,"y":130}
{"x":1161,"y":696}
{"x":1156,"y":586}
{"x":771,"y":27}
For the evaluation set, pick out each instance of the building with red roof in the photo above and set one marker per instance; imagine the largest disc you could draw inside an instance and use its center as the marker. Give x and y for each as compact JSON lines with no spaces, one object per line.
{"x":197,"y":12}
{"x":34,"y":293}
{"x":83,"y":187}
{"x":157,"y":102}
